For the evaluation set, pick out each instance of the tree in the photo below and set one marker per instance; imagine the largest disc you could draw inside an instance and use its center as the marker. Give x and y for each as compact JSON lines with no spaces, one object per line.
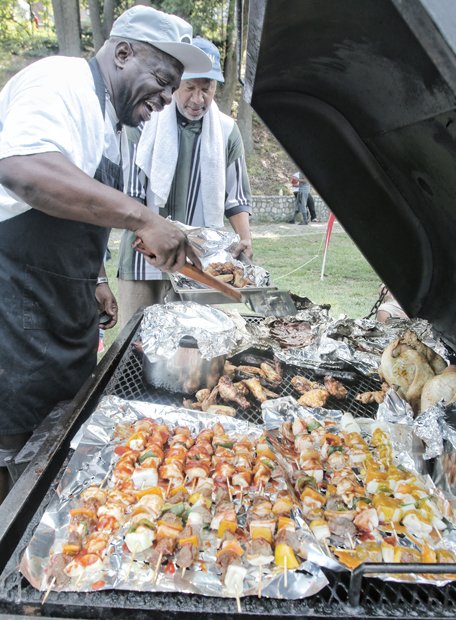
{"x":228,"y":90}
{"x":68,"y":26}
{"x":98,"y":33}
{"x":245,"y":112}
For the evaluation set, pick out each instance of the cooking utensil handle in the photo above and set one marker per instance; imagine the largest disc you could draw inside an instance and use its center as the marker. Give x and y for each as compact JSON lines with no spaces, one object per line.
{"x":193,"y":272}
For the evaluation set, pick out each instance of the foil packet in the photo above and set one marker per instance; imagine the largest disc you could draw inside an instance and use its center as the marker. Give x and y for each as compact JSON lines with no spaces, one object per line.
{"x":349,"y":345}
{"x":163,"y":327}
{"x":91,"y":464}
{"x":215,"y":245}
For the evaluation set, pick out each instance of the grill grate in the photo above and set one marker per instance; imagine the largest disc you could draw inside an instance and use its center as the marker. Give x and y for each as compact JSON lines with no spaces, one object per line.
{"x":378,"y":599}
{"x":127,"y":382}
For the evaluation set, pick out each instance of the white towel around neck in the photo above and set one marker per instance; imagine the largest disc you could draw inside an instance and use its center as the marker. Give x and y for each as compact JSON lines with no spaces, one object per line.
{"x":157,"y":157}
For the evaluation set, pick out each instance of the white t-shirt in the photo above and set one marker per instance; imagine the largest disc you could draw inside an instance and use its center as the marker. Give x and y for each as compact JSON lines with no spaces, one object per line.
{"x":51,"y":105}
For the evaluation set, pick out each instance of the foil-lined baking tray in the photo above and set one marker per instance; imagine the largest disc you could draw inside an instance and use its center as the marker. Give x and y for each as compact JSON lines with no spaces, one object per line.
{"x":407,"y":453}
{"x":90,"y":465}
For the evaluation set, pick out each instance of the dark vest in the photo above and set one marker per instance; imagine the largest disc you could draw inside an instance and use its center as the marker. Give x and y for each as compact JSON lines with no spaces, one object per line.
{"x":48,"y":312}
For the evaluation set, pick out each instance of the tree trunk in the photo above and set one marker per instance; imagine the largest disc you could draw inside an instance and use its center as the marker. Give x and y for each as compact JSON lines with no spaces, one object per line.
{"x":227,"y":92}
{"x":108,"y":17}
{"x":97,"y":27}
{"x":244,"y":121}
{"x":68,"y":26}
{"x":245,"y":112}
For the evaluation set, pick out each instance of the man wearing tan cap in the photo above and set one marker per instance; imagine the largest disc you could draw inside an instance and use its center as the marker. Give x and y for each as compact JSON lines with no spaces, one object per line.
{"x":62,"y":145}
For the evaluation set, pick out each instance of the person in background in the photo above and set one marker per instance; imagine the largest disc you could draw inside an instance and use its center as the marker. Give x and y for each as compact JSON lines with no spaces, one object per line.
{"x":61,"y":148}
{"x":389,"y":308}
{"x":304,"y":202}
{"x":189,"y":165}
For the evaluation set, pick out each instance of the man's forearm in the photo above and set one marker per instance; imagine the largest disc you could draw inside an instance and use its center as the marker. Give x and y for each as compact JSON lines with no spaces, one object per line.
{"x":51,"y":183}
{"x":241,"y":225}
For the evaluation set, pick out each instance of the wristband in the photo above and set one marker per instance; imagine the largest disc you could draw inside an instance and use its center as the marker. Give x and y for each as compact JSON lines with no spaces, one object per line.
{"x":102,"y":280}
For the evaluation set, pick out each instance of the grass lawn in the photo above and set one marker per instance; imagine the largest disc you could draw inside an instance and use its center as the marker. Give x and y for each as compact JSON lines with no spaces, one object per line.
{"x":350,"y":285}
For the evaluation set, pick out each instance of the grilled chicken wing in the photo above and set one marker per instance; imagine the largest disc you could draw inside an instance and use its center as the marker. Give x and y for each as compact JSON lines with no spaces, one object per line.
{"x":259,"y":391}
{"x":315,"y":397}
{"x":303,"y":385}
{"x":335,"y":387}
{"x":272,"y":373}
{"x":373,"y":397}
{"x":211,"y":399}
{"x":222,"y":410}
{"x":229,"y":392}
{"x":252,"y":371}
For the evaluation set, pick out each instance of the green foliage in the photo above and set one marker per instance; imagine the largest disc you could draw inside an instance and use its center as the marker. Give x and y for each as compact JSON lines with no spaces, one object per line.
{"x":18,"y":31}
{"x":206,"y":16}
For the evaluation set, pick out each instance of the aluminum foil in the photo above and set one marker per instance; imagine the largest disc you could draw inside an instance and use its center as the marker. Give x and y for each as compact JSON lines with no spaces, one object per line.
{"x":163,"y":326}
{"x":214,"y":245}
{"x":404,"y":445}
{"x":435,"y":425}
{"x":352,"y":344}
{"x":91,"y":463}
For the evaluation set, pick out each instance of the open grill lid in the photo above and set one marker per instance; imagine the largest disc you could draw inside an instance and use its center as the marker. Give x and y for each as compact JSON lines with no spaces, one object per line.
{"x":362,"y":95}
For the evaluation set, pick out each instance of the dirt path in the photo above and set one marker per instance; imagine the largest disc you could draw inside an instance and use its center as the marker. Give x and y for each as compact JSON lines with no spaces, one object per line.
{"x":274,"y":230}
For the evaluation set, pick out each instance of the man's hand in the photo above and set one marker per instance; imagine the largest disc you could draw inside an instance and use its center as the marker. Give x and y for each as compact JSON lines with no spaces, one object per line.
{"x":106,"y":303}
{"x":244,"y":247}
{"x":164,"y":245}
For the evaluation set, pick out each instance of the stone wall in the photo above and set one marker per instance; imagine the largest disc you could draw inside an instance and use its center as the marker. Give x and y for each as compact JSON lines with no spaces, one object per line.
{"x":281,"y":209}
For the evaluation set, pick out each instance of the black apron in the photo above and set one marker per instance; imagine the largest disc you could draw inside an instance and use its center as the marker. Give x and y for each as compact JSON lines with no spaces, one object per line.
{"x":48,"y":312}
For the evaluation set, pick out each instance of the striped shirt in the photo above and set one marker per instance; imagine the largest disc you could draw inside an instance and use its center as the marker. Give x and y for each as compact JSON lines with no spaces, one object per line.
{"x":184,"y":202}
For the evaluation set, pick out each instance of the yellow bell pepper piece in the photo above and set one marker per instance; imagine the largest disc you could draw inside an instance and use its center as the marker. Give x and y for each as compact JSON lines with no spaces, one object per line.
{"x":226,"y":526}
{"x":261,"y":532}
{"x":284,"y":557}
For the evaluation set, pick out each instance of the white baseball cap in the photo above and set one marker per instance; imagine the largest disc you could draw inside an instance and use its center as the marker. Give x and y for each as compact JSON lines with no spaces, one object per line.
{"x":168,"y":33}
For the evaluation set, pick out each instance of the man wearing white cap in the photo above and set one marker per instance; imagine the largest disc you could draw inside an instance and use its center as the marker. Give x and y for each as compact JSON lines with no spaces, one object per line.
{"x":61,"y":148}
{"x":189,"y":164}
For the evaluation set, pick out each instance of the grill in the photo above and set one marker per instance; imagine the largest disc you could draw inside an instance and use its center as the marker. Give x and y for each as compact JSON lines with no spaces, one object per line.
{"x":120,"y":374}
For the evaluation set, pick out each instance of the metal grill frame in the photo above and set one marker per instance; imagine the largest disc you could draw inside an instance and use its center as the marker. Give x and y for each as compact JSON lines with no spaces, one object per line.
{"x":347,"y":595}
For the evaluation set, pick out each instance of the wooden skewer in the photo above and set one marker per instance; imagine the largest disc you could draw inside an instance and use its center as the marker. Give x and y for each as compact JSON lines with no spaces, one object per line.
{"x":184,"y":568}
{"x":325,"y":542}
{"x":195,"y":480}
{"x":238,"y":602}
{"x":78,"y":580}
{"x":157,"y":567}
{"x":394,"y":531}
{"x":352,"y":543}
{"x":285,"y":571}
{"x":48,"y":591}
{"x":260,"y":580}
{"x":105,"y":478}
{"x":130,"y":564}
{"x":168,"y":489}
{"x":438,"y":533}
{"x":229,"y":489}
